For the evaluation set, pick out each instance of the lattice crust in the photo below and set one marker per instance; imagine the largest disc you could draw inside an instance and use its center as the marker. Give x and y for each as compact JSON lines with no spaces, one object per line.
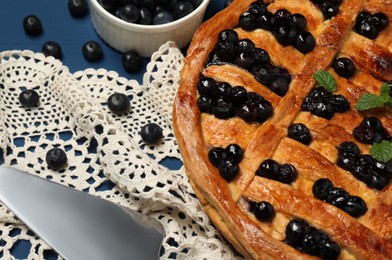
{"x":227,"y":203}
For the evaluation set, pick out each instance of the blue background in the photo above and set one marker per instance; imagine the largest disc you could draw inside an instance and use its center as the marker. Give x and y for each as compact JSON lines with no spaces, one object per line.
{"x":71,"y":34}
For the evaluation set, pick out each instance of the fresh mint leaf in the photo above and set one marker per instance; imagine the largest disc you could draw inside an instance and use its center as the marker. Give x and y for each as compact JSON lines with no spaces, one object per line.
{"x":325,"y":80}
{"x":382,"y":151}
{"x":385,"y":90}
{"x":369,"y":101}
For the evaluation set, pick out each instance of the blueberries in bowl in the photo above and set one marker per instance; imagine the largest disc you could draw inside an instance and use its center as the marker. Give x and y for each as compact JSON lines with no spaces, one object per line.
{"x":150,"y":12}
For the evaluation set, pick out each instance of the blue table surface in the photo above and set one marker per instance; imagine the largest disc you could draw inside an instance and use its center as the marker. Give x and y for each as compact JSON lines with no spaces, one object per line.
{"x":71,"y":34}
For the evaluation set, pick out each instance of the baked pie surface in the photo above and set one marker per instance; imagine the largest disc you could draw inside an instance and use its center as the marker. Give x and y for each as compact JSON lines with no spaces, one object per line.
{"x":230,"y":201}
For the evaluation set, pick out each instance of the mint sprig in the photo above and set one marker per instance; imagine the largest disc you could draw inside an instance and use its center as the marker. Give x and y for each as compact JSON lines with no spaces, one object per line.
{"x":382,"y":151}
{"x":370,"y":101}
{"x":325,"y":79}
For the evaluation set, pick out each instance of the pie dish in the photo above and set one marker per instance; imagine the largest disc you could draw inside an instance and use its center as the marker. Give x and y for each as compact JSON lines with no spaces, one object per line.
{"x":281,"y":162}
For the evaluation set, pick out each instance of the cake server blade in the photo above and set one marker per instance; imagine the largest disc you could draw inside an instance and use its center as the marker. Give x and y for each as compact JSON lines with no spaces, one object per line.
{"x":76,"y":224}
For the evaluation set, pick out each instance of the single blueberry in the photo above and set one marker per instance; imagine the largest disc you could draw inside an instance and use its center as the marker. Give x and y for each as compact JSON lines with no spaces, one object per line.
{"x":151,"y":133}
{"x":56,"y":158}
{"x":51,"y":48}
{"x":78,"y":8}
{"x":29,"y":98}
{"x":92,"y":51}
{"x":118,"y":103}
{"x":131,"y":61}
{"x":32,"y":25}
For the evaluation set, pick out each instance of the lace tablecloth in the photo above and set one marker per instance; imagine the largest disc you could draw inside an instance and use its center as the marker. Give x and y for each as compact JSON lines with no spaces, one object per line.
{"x":106,"y":156}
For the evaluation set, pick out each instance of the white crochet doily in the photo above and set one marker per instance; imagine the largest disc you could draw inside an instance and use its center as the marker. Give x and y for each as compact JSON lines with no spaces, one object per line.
{"x":106,"y":156}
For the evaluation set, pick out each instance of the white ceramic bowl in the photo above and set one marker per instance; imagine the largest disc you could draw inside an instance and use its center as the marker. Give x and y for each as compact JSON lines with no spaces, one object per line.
{"x":145,"y":39}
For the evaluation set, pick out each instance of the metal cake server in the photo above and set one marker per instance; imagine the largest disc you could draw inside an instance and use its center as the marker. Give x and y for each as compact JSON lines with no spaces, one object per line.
{"x":78,"y":225}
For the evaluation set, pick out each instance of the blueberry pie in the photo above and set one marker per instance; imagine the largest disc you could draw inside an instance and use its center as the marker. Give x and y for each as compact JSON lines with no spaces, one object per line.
{"x":283,"y":121}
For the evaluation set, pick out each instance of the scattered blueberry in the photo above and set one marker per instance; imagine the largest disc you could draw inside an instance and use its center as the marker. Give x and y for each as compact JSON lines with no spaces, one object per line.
{"x":151,"y":133}
{"x":92,"y":51}
{"x":118,"y":103}
{"x":56,"y":158}
{"x":29,"y":98}
{"x":132,"y":61}
{"x":51,"y":48}
{"x":32,"y":25}
{"x":78,"y":8}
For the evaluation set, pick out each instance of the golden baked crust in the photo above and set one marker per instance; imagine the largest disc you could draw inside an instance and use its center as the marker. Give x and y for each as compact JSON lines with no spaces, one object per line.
{"x":227,"y":203}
